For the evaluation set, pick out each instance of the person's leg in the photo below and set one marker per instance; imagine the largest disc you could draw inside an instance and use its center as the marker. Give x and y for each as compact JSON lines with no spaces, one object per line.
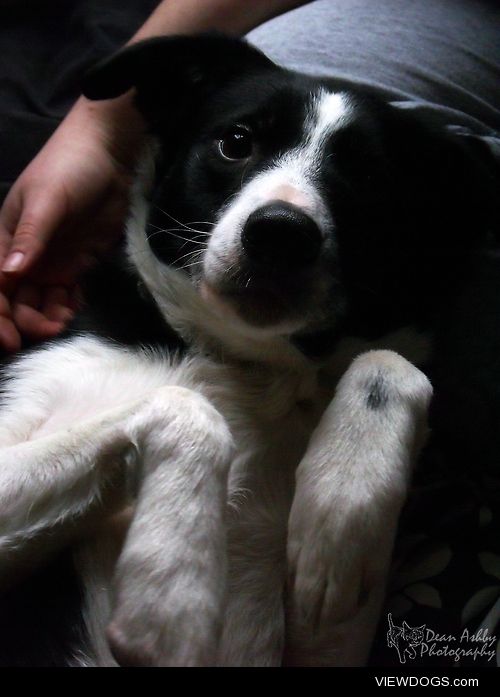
{"x":446,"y":51}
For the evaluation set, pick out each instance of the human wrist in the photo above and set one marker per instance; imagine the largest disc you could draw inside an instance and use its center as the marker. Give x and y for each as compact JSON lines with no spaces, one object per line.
{"x":231,"y":16}
{"x":114,"y":123}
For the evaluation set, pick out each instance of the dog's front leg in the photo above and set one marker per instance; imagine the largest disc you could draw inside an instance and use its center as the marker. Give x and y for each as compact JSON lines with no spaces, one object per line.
{"x":170,"y":578}
{"x":350,"y":488}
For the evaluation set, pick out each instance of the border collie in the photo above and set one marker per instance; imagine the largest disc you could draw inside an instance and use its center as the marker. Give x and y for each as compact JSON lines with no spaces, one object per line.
{"x":227,"y":477}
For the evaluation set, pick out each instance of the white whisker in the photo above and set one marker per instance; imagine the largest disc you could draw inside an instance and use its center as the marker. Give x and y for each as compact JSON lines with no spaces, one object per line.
{"x":194,"y":263}
{"x":171,"y":232}
{"x":189,"y":254}
{"x":185,"y":226}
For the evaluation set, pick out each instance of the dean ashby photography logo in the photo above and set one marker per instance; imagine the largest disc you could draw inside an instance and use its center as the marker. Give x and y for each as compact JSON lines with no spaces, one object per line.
{"x":419,"y":642}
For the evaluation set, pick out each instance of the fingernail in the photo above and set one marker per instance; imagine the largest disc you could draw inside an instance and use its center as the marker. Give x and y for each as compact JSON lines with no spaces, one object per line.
{"x":13,"y":262}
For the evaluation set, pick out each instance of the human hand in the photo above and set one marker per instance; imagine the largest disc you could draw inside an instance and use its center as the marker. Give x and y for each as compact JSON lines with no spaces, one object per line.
{"x":64,"y":211}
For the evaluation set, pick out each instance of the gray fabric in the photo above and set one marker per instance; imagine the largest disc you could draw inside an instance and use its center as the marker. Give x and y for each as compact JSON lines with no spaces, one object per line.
{"x":442,"y":55}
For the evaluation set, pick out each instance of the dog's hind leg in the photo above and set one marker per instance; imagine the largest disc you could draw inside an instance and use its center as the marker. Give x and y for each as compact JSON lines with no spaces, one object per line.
{"x":351,"y":485}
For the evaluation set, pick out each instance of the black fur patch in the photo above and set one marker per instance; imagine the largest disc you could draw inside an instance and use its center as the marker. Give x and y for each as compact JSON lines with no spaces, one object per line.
{"x":377,"y":395}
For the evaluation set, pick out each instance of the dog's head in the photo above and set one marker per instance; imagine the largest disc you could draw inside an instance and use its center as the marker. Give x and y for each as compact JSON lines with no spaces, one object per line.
{"x":296,"y":206}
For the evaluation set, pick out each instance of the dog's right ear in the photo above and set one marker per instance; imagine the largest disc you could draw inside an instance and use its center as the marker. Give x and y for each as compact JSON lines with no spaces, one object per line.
{"x":166,"y":70}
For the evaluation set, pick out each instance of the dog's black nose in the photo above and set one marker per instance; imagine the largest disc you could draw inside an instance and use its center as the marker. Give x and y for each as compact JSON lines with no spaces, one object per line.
{"x":281,"y":235}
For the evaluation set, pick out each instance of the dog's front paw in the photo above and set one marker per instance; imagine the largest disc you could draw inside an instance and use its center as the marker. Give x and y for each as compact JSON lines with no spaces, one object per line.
{"x":130,"y":648}
{"x":335,"y":562}
{"x":153,"y":637}
{"x":165,"y":620}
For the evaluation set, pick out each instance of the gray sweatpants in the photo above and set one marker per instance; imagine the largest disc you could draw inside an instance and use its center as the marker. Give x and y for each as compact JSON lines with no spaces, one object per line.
{"x":444,"y":53}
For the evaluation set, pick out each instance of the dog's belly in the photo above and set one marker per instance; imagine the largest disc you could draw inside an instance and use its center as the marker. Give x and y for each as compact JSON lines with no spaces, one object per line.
{"x":259,"y":507}
{"x":261,"y":490}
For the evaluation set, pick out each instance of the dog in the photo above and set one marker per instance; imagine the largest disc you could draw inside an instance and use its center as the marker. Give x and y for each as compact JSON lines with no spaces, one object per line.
{"x":224,"y":438}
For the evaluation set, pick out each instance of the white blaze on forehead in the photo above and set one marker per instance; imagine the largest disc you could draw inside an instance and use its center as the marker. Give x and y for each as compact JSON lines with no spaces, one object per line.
{"x":328,"y":112}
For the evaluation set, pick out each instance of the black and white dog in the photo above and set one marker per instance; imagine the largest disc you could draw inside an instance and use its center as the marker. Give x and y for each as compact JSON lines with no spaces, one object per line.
{"x":229,"y":486}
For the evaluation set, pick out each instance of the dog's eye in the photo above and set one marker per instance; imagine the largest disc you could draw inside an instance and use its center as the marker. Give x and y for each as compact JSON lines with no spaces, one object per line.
{"x":237,"y":144}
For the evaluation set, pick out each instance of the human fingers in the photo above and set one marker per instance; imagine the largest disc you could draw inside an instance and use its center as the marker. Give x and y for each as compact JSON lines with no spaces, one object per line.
{"x":10,"y":339}
{"x":41,"y":213}
{"x":29,"y":317}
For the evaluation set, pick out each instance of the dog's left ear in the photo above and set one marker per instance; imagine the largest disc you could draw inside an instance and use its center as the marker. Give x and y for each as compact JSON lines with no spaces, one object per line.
{"x":166,"y":70}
